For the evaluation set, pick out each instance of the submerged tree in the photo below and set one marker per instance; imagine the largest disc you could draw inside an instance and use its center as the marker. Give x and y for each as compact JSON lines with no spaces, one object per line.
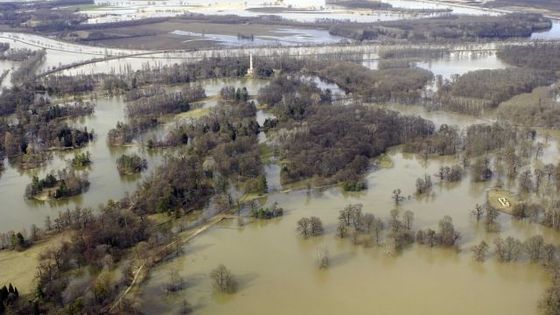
{"x":397,"y":196}
{"x":491,"y":219}
{"x":323,"y":258}
{"x":478,"y":212}
{"x":223,"y":280}
{"x":480,"y":251}
{"x":308,"y":227}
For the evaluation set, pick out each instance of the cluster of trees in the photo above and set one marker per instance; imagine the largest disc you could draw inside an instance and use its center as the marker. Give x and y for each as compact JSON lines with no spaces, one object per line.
{"x":76,"y":218}
{"x":178,"y":185}
{"x":230,"y":93}
{"x":351,"y":221}
{"x":17,"y":96}
{"x":81,"y":160}
{"x":39,"y":126}
{"x":337,"y":142}
{"x":65,"y":84}
{"x":19,"y":54}
{"x":267,"y":213}
{"x":446,"y":140}
{"x":131,"y":164}
{"x":538,"y":108}
{"x":125,"y":133}
{"x":412,"y":52}
{"x":446,"y":235}
{"x":14,"y":241}
{"x":550,"y":302}
{"x":366,"y":228}
{"x":27,"y":68}
{"x":481,"y":139}
{"x":450,"y":173}
{"x":510,"y":249}
{"x":223,"y":280}
{"x":8,"y":296}
{"x":72,"y":110}
{"x":544,"y":56}
{"x":490,"y":216}
{"x":42,"y":16}
{"x":447,"y":27}
{"x":4,"y":47}
{"x":166,"y":103}
{"x":226,"y":142}
{"x":424,"y":185}
{"x":207,"y":68}
{"x":64,"y":184}
{"x":393,"y":84}
{"x":97,"y":244}
{"x":547,"y":215}
{"x":308,"y":227}
{"x":361,"y":4}
{"x":539,"y":4}
{"x":291,"y":97}
{"x":478,"y":90}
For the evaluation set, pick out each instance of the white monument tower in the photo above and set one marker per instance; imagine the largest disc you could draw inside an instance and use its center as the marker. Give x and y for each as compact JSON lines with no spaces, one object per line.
{"x":251,"y":70}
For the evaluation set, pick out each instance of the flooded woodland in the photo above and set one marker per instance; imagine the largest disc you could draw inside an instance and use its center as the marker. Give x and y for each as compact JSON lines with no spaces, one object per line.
{"x":221,"y":131}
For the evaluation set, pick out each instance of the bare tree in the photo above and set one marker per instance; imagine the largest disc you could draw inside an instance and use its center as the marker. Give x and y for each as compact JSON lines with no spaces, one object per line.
{"x":480,"y":251}
{"x":368,"y":220}
{"x":223,"y":280}
{"x":408,"y":218}
{"x":508,"y":250}
{"x":526,"y":182}
{"x":491,"y":219}
{"x":303,"y":227}
{"x":322,"y":258}
{"x":534,"y":246}
{"x":397,"y":196}
{"x":308,"y":227}
{"x":478,"y":212}
{"x":377,"y":230}
{"x":176,"y":282}
{"x":341,"y":229}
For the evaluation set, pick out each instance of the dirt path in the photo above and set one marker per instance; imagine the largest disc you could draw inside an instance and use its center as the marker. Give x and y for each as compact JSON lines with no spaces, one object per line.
{"x":143,"y":270}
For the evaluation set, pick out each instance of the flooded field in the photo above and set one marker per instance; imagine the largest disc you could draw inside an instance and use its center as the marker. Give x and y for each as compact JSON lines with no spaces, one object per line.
{"x":308,"y":11}
{"x":457,"y":63}
{"x":273,"y":264}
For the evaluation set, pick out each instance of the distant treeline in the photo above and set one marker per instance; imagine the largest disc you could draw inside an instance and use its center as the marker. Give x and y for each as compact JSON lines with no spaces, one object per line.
{"x":540,"y":4}
{"x":361,"y":4}
{"x":545,"y":56}
{"x":45,"y":15}
{"x":449,"y":27}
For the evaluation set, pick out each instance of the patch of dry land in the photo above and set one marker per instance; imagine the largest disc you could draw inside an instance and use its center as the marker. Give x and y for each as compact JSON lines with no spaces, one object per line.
{"x":501,"y":200}
{"x":19,"y":268}
{"x":166,"y":35}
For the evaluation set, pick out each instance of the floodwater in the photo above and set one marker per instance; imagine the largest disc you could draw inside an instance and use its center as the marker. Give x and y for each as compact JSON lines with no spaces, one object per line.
{"x":58,"y":53}
{"x":284,"y":36}
{"x":458,"y":63}
{"x":303,"y":11}
{"x":105,"y":182}
{"x":277,"y":270}
{"x":553,"y":33}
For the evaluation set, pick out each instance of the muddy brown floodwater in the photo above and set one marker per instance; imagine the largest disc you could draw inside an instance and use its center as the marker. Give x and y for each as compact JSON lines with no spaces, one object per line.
{"x":277,"y":270}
